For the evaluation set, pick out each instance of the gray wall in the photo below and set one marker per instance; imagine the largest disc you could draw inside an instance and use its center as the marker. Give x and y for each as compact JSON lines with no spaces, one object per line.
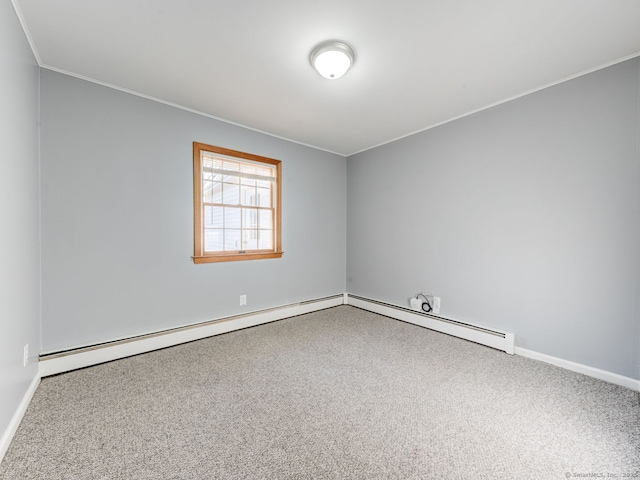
{"x":117,"y":219}
{"x":524,"y":217}
{"x":19,"y":214}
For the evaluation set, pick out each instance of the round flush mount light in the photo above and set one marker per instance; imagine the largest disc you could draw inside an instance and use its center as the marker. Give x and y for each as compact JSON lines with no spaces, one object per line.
{"x":332,"y":59}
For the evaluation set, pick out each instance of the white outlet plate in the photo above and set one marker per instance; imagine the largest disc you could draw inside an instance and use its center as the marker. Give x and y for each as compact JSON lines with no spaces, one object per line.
{"x":243,"y":300}
{"x":436,"y":305}
{"x":25,"y":355}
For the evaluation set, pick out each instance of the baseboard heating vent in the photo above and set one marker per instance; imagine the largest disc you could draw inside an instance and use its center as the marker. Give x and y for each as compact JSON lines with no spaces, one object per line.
{"x":485,"y":336}
{"x":323,"y":299}
{"x":52,"y":363}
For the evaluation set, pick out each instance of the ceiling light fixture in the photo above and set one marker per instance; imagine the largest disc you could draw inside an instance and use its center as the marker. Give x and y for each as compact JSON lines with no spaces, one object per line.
{"x":332,"y":59}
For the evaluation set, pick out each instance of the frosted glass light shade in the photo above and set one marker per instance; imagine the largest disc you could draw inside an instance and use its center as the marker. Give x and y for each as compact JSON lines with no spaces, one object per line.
{"x":332,"y":59}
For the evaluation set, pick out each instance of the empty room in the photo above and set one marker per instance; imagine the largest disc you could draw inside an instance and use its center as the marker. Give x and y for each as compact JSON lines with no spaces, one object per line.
{"x":300,"y":240}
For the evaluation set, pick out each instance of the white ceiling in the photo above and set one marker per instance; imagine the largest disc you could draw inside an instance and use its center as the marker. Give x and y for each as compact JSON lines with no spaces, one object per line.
{"x":419,"y":63}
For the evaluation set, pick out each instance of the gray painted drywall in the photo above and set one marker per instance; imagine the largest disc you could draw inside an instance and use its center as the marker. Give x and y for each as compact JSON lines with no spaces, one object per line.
{"x":117,"y":219}
{"x":523,"y":217}
{"x":19,"y":214}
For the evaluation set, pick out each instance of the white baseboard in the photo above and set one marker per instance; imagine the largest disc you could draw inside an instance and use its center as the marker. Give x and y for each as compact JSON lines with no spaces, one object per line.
{"x":492,"y":338}
{"x":87,"y":356}
{"x":506,"y":344}
{"x":610,"y":377}
{"x":8,"y":434}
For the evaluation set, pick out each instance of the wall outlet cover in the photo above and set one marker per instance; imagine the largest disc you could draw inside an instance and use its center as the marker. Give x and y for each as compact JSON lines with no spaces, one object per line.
{"x":436,"y":305}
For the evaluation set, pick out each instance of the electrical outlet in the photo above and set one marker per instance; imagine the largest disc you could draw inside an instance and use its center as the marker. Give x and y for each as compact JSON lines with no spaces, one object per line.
{"x":436,"y":305}
{"x":243,"y":300}
{"x":25,"y":355}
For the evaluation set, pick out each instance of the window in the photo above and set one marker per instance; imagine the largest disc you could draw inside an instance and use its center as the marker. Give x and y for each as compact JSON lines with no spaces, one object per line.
{"x":237,"y":205}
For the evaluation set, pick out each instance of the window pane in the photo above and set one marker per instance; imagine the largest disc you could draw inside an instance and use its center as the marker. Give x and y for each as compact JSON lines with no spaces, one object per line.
{"x":265,"y":219}
{"x":249,"y":218}
{"x":264,"y":197}
{"x":248,"y":168}
{"x":232,"y":217}
{"x":216,"y":193}
{"x":265,"y":171}
{"x":221,"y":164}
{"x":207,"y":161}
{"x":213,"y":217}
{"x":248,"y":195}
{"x":212,"y":192}
{"x":232,"y":239}
{"x":265,"y":239}
{"x":213,"y":240}
{"x":218,"y":217}
{"x":248,"y":181}
{"x":231,"y":194}
{"x":207,"y":192}
{"x":250,"y":239}
{"x":231,"y":179}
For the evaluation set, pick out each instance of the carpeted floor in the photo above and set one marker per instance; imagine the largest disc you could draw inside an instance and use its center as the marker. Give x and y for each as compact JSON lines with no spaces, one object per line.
{"x":337,"y":394}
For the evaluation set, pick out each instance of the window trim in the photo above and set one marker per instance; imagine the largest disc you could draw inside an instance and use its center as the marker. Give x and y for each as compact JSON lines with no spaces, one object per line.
{"x":200,"y":256}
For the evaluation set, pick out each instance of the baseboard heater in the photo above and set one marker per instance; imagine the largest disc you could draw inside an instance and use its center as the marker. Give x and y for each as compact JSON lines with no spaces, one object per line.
{"x":52,"y":363}
{"x":485,"y":336}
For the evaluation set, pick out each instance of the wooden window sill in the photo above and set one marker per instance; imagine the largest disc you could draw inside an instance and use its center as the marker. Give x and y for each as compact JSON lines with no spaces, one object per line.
{"x":236,"y":257}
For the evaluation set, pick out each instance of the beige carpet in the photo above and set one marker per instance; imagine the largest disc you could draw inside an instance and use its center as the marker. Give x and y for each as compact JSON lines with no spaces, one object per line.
{"x":336,"y":394}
